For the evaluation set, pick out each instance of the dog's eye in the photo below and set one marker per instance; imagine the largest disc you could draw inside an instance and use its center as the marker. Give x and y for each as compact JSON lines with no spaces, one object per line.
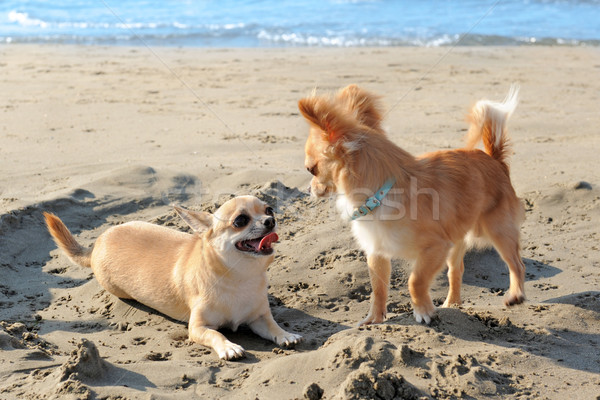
{"x":269,"y":211}
{"x":312,"y":170}
{"x":241,"y":220}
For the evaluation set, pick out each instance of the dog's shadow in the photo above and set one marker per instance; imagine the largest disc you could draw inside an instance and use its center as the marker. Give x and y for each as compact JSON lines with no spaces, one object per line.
{"x":315,"y":331}
{"x":589,"y":300}
{"x":485,"y":327}
{"x":485,"y":268}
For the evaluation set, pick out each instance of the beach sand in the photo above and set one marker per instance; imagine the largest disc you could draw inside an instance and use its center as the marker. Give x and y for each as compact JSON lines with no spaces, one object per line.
{"x":105,"y":135}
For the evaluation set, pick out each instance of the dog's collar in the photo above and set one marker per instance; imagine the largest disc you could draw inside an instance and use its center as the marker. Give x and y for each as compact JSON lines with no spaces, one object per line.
{"x":374,"y":201}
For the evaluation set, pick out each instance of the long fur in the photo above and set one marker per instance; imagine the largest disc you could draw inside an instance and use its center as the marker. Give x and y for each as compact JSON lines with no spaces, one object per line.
{"x":439,"y":201}
{"x":365,"y":106}
{"x":488,"y":123}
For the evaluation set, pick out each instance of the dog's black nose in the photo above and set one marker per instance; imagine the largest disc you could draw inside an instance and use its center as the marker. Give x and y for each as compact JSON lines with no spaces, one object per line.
{"x":270,"y":223}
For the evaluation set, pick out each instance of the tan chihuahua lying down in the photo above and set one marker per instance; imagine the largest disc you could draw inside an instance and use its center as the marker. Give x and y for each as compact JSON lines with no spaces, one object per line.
{"x":213,"y":278}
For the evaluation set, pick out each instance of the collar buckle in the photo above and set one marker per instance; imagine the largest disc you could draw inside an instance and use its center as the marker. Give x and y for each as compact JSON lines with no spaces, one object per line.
{"x":374,"y":201}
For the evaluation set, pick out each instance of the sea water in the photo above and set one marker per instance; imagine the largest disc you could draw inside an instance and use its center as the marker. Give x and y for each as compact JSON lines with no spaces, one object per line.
{"x":269,"y":23}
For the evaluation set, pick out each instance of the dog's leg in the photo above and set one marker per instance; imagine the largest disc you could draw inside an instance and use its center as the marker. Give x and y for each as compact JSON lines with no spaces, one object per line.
{"x":380,"y":269}
{"x":516,"y":292}
{"x":456,"y":267}
{"x":208,"y":337}
{"x":428,"y":264}
{"x":507,"y":245}
{"x":266,"y":327}
{"x":504,"y":235}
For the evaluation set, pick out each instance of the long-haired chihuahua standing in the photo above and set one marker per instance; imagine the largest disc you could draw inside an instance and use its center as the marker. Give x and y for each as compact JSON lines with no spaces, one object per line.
{"x":430,"y":208}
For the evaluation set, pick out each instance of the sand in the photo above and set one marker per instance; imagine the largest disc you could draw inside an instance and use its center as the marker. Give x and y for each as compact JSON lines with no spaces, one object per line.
{"x":105,"y":135}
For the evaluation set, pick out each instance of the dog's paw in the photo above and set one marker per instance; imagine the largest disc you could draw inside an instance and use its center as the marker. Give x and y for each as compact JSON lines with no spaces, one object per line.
{"x":424,"y":314}
{"x":374,"y":317}
{"x":371,"y":319}
{"x":231,"y":351}
{"x":451,"y":302}
{"x":288,"y":339}
{"x":512,"y":299}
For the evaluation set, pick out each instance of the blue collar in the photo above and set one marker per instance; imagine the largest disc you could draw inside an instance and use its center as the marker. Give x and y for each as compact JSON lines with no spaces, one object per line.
{"x":374,"y":201}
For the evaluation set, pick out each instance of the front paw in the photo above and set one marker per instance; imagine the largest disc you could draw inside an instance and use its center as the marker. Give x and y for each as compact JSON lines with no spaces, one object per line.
{"x":424,"y":313}
{"x":287,"y":339}
{"x":230,"y":351}
{"x":373,"y":317}
{"x":451,"y":302}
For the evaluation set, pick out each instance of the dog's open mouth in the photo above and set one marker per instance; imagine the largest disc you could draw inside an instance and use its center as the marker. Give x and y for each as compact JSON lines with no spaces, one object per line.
{"x":261,"y":245}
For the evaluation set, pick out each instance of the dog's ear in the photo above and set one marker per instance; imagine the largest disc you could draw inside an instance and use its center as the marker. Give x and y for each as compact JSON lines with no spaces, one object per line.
{"x":196,"y":220}
{"x":365,"y":106}
{"x":335,"y":123}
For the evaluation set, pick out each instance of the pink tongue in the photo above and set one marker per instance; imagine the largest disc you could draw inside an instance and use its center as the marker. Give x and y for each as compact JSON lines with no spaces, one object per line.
{"x":265,"y":243}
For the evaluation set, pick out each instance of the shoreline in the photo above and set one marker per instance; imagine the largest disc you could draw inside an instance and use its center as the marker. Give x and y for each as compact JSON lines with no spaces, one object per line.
{"x":462,"y":40}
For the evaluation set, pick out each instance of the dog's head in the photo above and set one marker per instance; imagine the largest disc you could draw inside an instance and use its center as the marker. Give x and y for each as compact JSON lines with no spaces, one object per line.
{"x":338,"y":125}
{"x":242,"y":227}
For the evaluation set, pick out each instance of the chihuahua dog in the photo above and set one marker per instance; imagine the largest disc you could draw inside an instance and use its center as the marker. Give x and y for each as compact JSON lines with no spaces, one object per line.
{"x":215,"y":277}
{"x":430,"y":208}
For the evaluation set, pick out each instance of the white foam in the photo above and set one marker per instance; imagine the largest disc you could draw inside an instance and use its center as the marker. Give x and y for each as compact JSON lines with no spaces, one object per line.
{"x":23,"y":19}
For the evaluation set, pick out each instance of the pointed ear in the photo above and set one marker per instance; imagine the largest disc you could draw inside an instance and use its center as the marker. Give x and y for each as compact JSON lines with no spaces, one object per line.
{"x":308,"y":109}
{"x":365,"y":106}
{"x":196,"y":220}
{"x":325,"y":115}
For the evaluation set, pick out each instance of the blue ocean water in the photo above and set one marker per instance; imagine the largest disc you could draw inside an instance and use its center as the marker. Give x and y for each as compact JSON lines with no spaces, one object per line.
{"x":269,"y":23}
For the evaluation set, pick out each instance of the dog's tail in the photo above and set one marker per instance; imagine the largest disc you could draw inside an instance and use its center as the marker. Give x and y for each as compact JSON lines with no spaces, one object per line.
{"x":63,"y":238}
{"x":488,"y":123}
